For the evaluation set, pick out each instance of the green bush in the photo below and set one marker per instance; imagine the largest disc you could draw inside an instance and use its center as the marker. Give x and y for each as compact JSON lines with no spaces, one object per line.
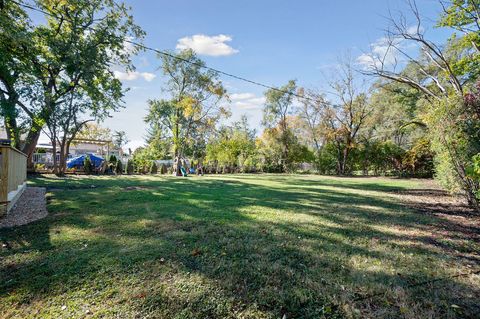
{"x":118,"y":168}
{"x":130,"y":167}
{"x":455,"y":143}
{"x":163,"y":169}
{"x":326,"y":161}
{"x":87,"y":165}
{"x":473,"y":172}
{"x":112,"y":159}
{"x":153,"y":169}
{"x":39,"y":167}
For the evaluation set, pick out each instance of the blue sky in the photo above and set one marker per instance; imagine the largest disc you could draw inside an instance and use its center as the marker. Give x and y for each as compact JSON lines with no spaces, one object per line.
{"x":264,"y":40}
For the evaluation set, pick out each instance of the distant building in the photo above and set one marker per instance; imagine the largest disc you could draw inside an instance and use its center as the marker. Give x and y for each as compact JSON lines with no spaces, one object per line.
{"x":44,"y":151}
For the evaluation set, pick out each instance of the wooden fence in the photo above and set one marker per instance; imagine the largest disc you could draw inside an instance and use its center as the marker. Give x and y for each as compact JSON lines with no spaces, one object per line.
{"x":13,"y":176}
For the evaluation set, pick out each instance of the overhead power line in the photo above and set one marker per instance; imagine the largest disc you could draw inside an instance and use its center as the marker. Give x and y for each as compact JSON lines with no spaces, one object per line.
{"x":165,"y":53}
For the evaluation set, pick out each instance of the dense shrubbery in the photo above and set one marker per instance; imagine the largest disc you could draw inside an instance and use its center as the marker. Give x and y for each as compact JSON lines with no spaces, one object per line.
{"x":130,"y":167}
{"x":153,"y":169}
{"x":87,"y":165}
{"x":118,"y":167}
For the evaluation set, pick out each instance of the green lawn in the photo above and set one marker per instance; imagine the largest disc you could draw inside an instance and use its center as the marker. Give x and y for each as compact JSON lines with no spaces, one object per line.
{"x":244,"y":246}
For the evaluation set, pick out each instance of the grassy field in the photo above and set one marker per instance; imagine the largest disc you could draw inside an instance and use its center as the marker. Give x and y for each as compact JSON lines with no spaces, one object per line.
{"x":245,"y":246}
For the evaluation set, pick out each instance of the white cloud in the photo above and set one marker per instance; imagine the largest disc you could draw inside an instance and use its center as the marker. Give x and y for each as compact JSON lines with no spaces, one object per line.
{"x":134,"y":75}
{"x":133,"y":145}
{"x":247,"y":101}
{"x":385,"y":51}
{"x":414,"y":29}
{"x":207,"y":45}
{"x":241,"y":96}
{"x":381,"y":52}
{"x":128,"y":47}
{"x":144,"y":61}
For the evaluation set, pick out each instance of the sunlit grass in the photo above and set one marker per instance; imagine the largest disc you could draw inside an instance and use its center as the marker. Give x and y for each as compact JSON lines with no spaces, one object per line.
{"x":245,"y":246}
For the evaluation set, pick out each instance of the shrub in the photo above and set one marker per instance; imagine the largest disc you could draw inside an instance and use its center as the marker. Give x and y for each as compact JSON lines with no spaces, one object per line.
{"x":118,"y":168}
{"x":455,"y":144}
{"x":87,"y":165}
{"x":130,"y":167}
{"x":473,"y":173}
{"x":163,"y":169}
{"x":112,"y":159}
{"x":39,"y":167}
{"x":112,"y":162}
{"x":153,"y":169}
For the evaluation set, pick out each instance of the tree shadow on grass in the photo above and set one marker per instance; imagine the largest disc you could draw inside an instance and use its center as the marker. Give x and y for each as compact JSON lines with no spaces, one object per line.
{"x":224,"y":248}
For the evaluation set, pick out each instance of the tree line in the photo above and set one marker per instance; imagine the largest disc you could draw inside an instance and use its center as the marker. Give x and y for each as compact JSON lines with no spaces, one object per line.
{"x":417,"y":114}
{"x":419,"y":118}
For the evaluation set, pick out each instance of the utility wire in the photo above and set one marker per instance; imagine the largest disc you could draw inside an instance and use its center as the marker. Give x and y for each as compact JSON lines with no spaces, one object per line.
{"x":165,"y":53}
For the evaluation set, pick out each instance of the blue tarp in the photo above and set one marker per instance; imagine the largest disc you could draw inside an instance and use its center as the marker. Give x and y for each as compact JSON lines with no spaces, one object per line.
{"x":78,"y":161}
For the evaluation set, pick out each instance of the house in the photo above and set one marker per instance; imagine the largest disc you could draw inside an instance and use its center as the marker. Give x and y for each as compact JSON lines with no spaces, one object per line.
{"x":44,"y":151}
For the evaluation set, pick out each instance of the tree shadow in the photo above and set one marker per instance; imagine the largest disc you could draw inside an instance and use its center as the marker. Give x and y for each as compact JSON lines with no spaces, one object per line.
{"x":305,"y":251}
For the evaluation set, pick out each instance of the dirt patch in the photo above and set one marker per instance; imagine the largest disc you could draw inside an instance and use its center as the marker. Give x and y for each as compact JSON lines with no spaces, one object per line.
{"x":31,"y":206}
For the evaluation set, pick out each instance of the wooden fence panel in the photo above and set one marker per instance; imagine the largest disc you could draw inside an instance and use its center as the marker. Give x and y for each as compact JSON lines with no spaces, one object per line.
{"x":13,"y":176}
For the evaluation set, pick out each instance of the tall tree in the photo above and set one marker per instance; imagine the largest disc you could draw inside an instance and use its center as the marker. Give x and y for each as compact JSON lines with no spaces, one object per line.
{"x":62,"y":127}
{"x":443,"y":75}
{"x":310,"y":113}
{"x":16,"y":50}
{"x":74,"y":52}
{"x":464,"y":17}
{"x":233,"y":148}
{"x":278,"y":106}
{"x":94,"y":131}
{"x":343,"y":120}
{"x":195,"y":103}
{"x":120,"y":139}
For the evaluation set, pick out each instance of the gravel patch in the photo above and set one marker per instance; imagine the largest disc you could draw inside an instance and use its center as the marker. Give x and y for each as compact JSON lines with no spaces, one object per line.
{"x":31,"y":206}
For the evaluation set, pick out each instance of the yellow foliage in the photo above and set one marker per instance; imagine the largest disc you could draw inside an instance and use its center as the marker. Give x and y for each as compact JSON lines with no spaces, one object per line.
{"x":189,"y":106}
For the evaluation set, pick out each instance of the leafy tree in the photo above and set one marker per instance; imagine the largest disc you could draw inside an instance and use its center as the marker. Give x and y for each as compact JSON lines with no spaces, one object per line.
{"x":309,"y":115}
{"x":342,"y":122}
{"x":270,"y":148}
{"x":15,"y":32}
{"x":278,"y":107}
{"x":326,"y":160}
{"x":142,"y":158}
{"x":418,"y":160}
{"x":462,"y":16}
{"x":94,"y":131}
{"x":71,"y":56}
{"x":442,"y":74}
{"x":234,"y":148}
{"x":119,"y":139}
{"x":194,"y":105}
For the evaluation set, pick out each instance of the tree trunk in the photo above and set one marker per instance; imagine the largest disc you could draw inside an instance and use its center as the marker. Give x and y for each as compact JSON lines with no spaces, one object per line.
{"x":61,"y":164}
{"x":10,"y":120}
{"x":30,"y":144}
{"x":286,"y":162}
{"x":54,"y":151}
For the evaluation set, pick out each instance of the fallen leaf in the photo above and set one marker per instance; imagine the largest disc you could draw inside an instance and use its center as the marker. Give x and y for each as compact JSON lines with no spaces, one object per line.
{"x":196,"y":252}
